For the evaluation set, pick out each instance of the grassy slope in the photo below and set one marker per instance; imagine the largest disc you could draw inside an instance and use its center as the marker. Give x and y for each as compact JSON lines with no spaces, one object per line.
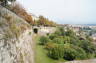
{"x":41,"y":54}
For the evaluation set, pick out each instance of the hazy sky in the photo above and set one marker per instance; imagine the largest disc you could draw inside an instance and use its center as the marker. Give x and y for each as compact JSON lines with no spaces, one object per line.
{"x":63,"y":11}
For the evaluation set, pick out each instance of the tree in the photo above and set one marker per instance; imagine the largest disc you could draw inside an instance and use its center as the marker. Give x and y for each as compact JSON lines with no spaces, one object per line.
{"x":41,"y":20}
{"x":5,"y":2}
{"x":45,"y":22}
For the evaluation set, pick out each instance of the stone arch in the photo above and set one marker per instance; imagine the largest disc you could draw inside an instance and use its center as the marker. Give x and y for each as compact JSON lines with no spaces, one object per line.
{"x":35,"y":30}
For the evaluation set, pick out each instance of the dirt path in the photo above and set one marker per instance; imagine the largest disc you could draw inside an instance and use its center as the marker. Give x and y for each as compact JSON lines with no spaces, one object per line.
{"x":34,"y":47}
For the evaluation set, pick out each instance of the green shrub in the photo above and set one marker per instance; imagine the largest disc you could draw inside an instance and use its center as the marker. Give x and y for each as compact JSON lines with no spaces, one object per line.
{"x":72,"y":52}
{"x":70,"y":33}
{"x":88,"y":46}
{"x":66,"y":51}
{"x":90,"y":55}
{"x":75,"y":40}
{"x":50,"y":45}
{"x":81,"y":54}
{"x":44,"y":40}
{"x":60,"y":31}
{"x":56,"y":52}
{"x":52,"y":36}
{"x":69,"y":52}
{"x":67,"y":39}
{"x":58,"y":40}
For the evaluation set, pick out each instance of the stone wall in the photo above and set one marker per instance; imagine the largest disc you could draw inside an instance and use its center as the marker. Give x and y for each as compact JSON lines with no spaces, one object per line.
{"x":15,"y":39}
{"x":45,"y":30}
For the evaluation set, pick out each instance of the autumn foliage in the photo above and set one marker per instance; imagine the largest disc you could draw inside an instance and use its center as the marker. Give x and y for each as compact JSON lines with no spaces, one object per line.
{"x":42,"y":21}
{"x":20,"y":11}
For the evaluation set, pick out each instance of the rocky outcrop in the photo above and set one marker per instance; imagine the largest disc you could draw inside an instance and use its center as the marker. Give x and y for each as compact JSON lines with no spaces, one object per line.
{"x":15,"y":38}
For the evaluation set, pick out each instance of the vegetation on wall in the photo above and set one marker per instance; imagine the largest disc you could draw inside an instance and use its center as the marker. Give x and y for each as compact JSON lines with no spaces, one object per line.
{"x":21,"y":12}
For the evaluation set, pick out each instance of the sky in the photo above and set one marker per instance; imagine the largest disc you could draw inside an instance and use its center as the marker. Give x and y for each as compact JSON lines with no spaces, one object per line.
{"x":63,"y":11}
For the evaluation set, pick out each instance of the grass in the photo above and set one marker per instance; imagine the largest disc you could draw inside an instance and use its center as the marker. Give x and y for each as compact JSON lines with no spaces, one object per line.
{"x":41,"y":54}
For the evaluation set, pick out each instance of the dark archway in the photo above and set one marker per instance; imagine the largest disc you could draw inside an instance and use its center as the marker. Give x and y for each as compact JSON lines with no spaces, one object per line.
{"x":35,"y":30}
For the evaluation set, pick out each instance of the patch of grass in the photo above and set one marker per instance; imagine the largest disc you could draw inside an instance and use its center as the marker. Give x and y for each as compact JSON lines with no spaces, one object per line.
{"x":41,"y":54}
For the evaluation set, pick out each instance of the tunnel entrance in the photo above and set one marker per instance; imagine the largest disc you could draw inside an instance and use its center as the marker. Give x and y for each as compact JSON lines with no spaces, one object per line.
{"x":35,"y":30}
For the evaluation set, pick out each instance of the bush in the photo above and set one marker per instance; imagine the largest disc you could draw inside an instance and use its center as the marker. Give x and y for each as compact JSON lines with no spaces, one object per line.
{"x":70,"y":33}
{"x":72,"y":52}
{"x":58,"y":40}
{"x":81,"y":54}
{"x":87,"y":46}
{"x":50,"y":45}
{"x":66,"y":39}
{"x":69,"y":52}
{"x":44,"y":40}
{"x":90,"y":55}
{"x":60,"y":31}
{"x":56,"y":52}
{"x":52,"y":36}
{"x":66,"y":51}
